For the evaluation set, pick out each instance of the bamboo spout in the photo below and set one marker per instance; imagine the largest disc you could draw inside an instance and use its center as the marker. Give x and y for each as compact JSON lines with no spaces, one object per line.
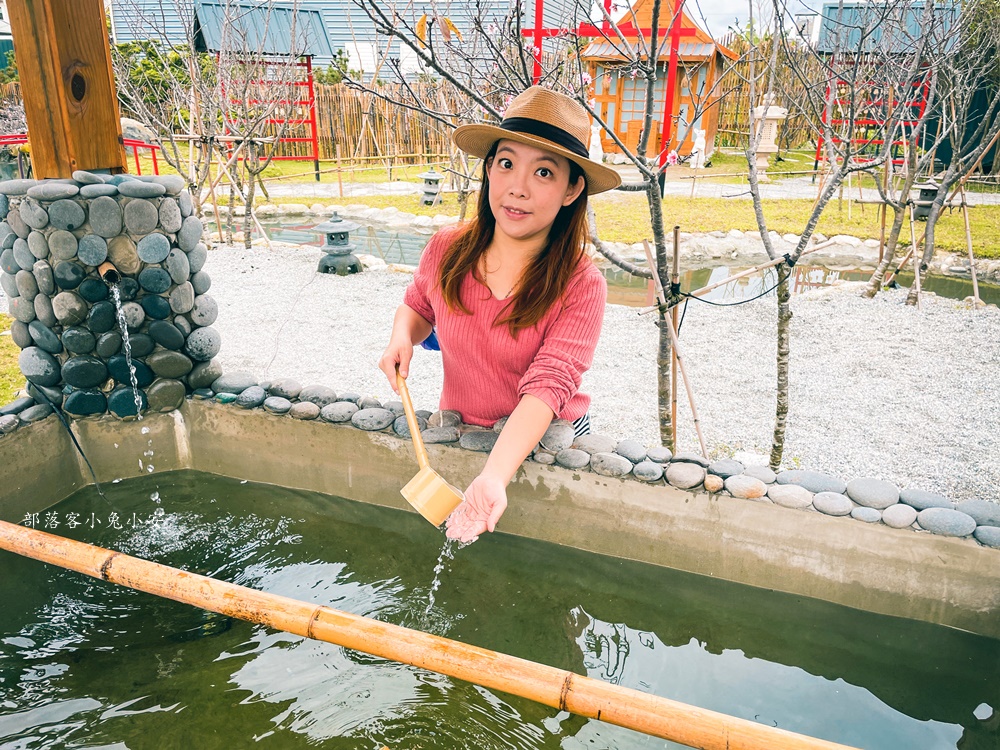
{"x":109,"y":273}
{"x":584,"y":696}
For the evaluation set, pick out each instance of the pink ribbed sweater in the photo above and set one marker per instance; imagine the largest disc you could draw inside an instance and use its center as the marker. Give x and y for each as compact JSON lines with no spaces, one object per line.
{"x":486,"y":371}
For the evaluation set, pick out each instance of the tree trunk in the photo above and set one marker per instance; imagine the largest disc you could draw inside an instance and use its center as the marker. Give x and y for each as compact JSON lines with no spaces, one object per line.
{"x":891,"y":243}
{"x":229,"y":222}
{"x":784,"y":335}
{"x":248,"y":213}
{"x":663,"y":352}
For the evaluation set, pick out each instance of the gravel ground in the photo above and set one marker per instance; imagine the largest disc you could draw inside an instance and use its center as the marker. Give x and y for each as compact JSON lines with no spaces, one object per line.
{"x":878,"y":389}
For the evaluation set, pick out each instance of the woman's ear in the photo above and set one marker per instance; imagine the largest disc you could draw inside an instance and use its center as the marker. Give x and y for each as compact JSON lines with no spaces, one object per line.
{"x":574,"y":190}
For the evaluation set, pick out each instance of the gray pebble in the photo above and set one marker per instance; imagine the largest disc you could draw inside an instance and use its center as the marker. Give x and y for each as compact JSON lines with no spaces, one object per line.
{"x":38,"y":366}
{"x":201,"y":282}
{"x":648,"y":471}
{"x":182,"y":298}
{"x":320,"y":395}
{"x":8,"y":282}
{"x":402,"y":428}
{"x":339,"y":411}
{"x":203,"y":344}
{"x":136,"y":189}
{"x":44,"y":310}
{"x":26,"y":285}
{"x":813,"y":481}
{"x":396,"y":407}
{"x":633,"y":450}
{"x":763,"y":473}
{"x":277,"y":405}
{"x":8,"y":264}
{"x":921,"y":499}
{"x":22,"y":309}
{"x":988,"y":535}
{"x":16,"y":187}
{"x":165,"y":395}
{"x":873,"y":493}
{"x":63,"y":245}
{"x":985,"y":512}
{"x":610,"y":465}
{"x":108,"y":344}
{"x":134,"y":315}
{"x":204,"y":374}
{"x":177,"y":265}
{"x":170,"y":216}
{"x":20,"y":334}
{"x":154,"y":279}
{"x":479,"y":440}
{"x":594,"y":443}
{"x":22,"y":254}
{"x":833,"y":503}
{"x":370,"y":402}
{"x":52,"y":191}
{"x":16,"y":223}
{"x":169,"y":364}
{"x":87,"y":178}
{"x":68,"y":215}
{"x":447,"y":418}
{"x":141,"y":217}
{"x":33,"y":214}
{"x":79,"y":340}
{"x":190,"y":233}
{"x":69,"y":308}
{"x":440,"y":435}
{"x":44,"y":338}
{"x":38,"y":245}
{"x":500,"y":424}
{"x":573,"y":458}
{"x":790,"y":495}
{"x":106,"y":217}
{"x":251,"y":398}
{"x":233,"y":382}
{"x":153,"y":248}
{"x":866,"y":514}
{"x":98,"y":191}
{"x":691,"y":458}
{"x":92,"y":249}
{"x":35,"y":413}
{"x":197,"y":257}
{"x":185,"y":203}
{"x":546,"y":459}
{"x":899,"y":516}
{"x":304,"y":410}
{"x":685,"y":475}
{"x":946,"y":522}
{"x":372,"y":419}
{"x":86,"y":403}
{"x":285,"y":387}
{"x":43,"y":276}
{"x":559,"y":436}
{"x":725,"y":468}
{"x":8,"y":423}
{"x":745,"y":486}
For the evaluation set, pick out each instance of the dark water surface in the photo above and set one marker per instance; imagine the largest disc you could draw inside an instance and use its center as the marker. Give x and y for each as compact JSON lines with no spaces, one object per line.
{"x":86,"y":664}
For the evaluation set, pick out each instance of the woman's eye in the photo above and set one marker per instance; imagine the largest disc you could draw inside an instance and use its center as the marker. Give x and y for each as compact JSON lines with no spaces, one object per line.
{"x":544,"y":172}
{"x":505,"y":163}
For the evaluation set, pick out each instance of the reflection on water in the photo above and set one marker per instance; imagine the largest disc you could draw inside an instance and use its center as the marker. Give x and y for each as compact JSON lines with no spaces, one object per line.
{"x":405,"y":246}
{"x":87,"y":664}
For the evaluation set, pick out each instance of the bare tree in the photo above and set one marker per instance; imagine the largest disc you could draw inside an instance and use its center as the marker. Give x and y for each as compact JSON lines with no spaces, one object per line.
{"x":863,"y":55}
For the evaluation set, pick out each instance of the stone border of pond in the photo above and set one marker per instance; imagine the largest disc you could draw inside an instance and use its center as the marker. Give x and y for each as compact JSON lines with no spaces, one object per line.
{"x":928,"y":577}
{"x":867,"y":500}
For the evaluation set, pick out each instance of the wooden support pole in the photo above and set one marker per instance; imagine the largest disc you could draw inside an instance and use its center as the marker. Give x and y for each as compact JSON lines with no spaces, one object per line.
{"x":675,"y":278}
{"x":916,"y":258}
{"x":70,"y":102}
{"x":968,"y":244}
{"x":567,"y":691}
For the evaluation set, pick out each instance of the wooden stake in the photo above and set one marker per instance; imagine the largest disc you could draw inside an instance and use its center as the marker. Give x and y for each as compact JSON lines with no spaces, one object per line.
{"x":675,"y":277}
{"x":566,"y":691}
{"x":916,"y":257}
{"x":340,"y":179}
{"x":968,"y":244}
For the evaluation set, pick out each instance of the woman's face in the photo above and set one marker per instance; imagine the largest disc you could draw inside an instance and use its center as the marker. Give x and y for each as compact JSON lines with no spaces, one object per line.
{"x":528,"y":186}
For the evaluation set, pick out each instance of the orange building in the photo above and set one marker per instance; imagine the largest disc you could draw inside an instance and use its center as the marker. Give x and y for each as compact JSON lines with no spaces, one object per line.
{"x":620,"y":97}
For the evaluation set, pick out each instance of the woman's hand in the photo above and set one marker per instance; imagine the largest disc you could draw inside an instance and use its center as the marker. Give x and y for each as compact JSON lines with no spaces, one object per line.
{"x":398,"y":352}
{"x":485,"y":501}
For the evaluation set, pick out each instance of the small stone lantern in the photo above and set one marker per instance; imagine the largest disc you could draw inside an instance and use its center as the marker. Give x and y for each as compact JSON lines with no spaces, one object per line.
{"x":339,"y":258}
{"x":922,"y":204}
{"x":772,"y":115}
{"x":432,"y":186}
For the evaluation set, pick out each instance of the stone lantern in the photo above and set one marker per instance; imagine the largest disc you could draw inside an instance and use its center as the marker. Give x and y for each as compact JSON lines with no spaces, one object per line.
{"x":432,"y":186}
{"x":926,"y":194}
{"x":771,"y":115}
{"x":339,"y":258}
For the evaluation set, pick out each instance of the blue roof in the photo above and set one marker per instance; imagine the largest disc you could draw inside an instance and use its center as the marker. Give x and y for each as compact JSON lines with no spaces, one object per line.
{"x":268,"y":30}
{"x":868,"y":27}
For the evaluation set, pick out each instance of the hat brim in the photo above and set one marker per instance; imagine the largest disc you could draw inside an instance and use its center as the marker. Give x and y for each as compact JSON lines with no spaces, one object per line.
{"x":477,"y":140}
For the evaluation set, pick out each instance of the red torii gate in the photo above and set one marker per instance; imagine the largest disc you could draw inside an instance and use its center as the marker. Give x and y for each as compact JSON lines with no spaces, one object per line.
{"x":676,"y":30}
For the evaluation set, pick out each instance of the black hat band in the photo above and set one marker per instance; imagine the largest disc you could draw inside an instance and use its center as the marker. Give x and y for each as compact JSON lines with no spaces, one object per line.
{"x":540,"y":129}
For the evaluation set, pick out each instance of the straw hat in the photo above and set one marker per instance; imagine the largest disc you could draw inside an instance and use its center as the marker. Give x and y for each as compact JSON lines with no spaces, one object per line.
{"x":547,"y":120}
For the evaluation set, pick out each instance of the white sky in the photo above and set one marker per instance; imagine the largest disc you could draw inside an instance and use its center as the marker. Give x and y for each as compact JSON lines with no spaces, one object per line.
{"x":718,"y":16}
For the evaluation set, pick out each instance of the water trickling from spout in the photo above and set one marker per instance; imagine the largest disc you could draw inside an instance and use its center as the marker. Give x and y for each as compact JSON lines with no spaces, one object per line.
{"x":127,"y":348}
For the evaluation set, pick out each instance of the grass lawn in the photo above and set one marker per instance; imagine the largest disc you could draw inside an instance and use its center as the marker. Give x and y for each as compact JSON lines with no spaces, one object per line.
{"x":11,"y":380}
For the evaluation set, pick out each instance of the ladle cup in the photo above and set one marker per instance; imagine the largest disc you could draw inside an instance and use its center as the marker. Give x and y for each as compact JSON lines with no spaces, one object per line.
{"x":428,"y":492}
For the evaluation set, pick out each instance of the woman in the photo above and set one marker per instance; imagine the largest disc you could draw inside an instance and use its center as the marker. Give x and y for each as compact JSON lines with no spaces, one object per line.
{"x":515,"y":302}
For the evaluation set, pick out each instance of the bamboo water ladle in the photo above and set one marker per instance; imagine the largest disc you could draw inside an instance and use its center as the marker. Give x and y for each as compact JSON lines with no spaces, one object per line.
{"x":427,"y":492}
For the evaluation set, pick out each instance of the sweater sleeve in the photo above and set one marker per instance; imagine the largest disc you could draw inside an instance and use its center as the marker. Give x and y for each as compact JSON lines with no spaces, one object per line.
{"x":425,"y":278}
{"x":567,"y":349}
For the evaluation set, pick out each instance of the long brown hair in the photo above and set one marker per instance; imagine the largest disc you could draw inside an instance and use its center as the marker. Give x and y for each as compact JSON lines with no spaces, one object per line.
{"x":544,"y":281}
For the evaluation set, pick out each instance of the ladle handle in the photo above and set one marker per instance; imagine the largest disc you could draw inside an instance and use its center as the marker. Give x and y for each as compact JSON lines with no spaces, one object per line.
{"x":423,"y":460}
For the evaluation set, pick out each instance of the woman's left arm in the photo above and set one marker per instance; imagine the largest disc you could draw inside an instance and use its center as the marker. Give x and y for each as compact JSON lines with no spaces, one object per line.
{"x":486,"y":497}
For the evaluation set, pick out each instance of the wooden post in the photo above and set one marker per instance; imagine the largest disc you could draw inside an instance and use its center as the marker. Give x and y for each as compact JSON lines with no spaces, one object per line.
{"x":70,"y":101}
{"x":675,"y":277}
{"x":968,"y":244}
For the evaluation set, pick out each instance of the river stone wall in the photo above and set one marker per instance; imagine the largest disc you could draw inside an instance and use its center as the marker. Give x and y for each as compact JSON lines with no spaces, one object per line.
{"x":53,"y":236}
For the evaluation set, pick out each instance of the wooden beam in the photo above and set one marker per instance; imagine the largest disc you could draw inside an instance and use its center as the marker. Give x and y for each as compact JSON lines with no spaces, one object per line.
{"x":70,"y":101}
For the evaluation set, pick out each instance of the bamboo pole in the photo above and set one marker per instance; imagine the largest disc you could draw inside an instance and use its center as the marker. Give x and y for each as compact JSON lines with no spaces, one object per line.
{"x":567,"y":691}
{"x":675,"y":278}
{"x":340,"y":176}
{"x":916,"y":258}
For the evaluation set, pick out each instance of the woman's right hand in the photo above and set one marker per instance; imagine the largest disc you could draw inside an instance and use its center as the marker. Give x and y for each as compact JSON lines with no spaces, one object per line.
{"x":398,"y":352}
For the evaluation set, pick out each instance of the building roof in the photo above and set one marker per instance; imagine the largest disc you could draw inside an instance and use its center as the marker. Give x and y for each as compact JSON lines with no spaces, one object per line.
{"x":885,"y":28}
{"x":604,"y":50}
{"x":267,"y":30}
